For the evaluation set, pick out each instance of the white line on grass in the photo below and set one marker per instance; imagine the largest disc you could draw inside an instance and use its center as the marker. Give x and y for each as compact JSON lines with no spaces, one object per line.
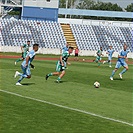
{"x":69,"y":108}
{"x":6,"y":69}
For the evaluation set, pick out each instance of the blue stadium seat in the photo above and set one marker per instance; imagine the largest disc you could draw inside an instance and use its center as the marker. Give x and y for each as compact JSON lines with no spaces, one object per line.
{"x":50,"y":34}
{"x":47,"y":34}
{"x":95,"y":36}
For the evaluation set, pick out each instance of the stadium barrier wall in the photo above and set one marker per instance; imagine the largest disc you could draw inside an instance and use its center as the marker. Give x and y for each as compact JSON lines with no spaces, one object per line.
{"x":95,"y":22}
{"x":57,"y":51}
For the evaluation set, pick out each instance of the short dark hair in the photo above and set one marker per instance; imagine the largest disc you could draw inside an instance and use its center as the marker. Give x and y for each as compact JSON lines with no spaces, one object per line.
{"x":125,"y":44}
{"x":70,"y":47}
{"x":28,"y":41}
{"x":35,"y":45}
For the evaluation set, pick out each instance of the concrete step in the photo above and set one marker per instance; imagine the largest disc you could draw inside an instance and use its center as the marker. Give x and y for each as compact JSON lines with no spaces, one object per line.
{"x":69,"y":35}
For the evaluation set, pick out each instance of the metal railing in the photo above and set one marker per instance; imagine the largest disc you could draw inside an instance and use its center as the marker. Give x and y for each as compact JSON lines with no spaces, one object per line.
{"x":15,"y":2}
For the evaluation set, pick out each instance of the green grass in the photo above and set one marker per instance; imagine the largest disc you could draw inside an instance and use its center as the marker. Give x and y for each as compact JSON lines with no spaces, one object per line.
{"x":113,"y":99}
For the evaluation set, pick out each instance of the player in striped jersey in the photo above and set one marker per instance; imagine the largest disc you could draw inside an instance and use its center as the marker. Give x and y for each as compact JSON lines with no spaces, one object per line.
{"x":98,"y":58}
{"x":24,"y":49}
{"x":61,"y":65}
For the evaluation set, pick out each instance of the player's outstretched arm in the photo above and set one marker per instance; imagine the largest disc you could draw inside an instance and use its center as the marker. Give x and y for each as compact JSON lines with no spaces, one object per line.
{"x":61,"y":61}
{"x":27,"y":60}
{"x":119,"y":56}
{"x":97,"y":52}
{"x":32,"y":66}
{"x":126,"y":59}
{"x":22,"y":49}
{"x":68,"y":63}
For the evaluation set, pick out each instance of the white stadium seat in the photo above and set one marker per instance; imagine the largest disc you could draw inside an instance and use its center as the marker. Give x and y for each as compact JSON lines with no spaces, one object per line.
{"x":92,"y":36}
{"x":50,"y":34}
{"x":47,"y":34}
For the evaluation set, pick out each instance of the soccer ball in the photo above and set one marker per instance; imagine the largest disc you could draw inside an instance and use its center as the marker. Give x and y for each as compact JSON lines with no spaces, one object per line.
{"x":83,"y":59}
{"x":97,"y":84}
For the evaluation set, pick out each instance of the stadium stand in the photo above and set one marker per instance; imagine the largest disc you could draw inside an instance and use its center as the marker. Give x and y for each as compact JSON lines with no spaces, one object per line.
{"x":68,"y":35}
{"x":50,"y":35}
{"x":47,"y":34}
{"x":91,"y":37}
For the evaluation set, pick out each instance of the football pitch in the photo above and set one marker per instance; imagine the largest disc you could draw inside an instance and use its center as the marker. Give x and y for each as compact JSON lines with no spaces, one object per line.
{"x":72,"y":106}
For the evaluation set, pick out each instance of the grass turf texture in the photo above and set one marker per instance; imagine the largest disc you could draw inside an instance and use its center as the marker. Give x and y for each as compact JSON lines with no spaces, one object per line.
{"x":113,"y":99}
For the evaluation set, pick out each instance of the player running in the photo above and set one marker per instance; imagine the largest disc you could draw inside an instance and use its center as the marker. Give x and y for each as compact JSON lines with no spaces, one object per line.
{"x":98,"y":58}
{"x":121,"y":62}
{"x":25,"y":66}
{"x":24,"y":49}
{"x":110,"y":53}
{"x":60,"y":65}
{"x":65,"y":48}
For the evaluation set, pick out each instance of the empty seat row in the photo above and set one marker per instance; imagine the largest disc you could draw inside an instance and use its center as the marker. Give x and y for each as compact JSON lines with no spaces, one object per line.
{"x":94,"y":36}
{"x":47,"y":34}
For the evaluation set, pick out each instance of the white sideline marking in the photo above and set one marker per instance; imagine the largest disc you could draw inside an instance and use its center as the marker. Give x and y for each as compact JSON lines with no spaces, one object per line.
{"x":6,"y":69}
{"x":69,"y":108}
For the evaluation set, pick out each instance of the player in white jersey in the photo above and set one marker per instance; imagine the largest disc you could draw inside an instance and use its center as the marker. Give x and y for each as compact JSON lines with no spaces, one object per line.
{"x":110,"y":53}
{"x":25,"y":66}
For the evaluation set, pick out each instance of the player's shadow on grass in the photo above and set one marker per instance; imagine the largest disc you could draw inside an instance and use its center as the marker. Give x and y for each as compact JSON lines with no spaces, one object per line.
{"x":28,"y":83}
{"x":118,"y":79}
{"x":60,"y":82}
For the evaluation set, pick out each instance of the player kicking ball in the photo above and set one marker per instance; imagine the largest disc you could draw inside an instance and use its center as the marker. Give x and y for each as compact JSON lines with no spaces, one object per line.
{"x":60,"y":65}
{"x":121,"y":62}
{"x":25,"y":66}
{"x":110,"y":53}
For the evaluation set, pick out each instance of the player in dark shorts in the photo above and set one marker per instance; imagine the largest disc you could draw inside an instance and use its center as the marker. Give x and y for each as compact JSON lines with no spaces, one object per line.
{"x":76,"y":54}
{"x":60,"y":65}
{"x":25,"y":50}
